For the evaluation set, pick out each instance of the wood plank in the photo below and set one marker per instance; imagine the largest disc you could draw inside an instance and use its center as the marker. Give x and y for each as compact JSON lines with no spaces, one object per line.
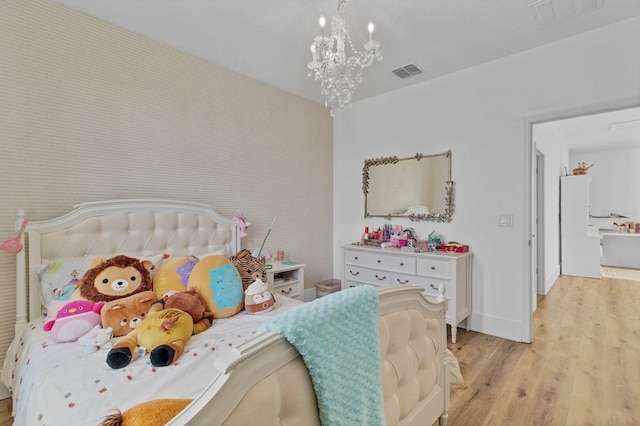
{"x":581,"y":368}
{"x":5,"y":412}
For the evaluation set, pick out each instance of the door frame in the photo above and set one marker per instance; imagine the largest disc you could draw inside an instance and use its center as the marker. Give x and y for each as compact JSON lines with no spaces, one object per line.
{"x":529,"y":159}
{"x":540,"y":271}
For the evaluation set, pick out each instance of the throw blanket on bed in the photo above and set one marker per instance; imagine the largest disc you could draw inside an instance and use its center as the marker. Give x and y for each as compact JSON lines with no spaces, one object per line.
{"x":337,"y":337}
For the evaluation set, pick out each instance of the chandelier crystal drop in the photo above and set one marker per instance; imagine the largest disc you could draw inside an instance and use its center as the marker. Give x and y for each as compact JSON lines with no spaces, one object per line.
{"x":338,"y":73}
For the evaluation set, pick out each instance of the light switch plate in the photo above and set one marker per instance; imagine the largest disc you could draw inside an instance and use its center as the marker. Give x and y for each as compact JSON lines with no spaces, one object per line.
{"x":505,"y":220}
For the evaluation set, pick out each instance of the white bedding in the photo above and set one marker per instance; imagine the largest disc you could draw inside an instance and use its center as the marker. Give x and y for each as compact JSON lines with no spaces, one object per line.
{"x":62,"y":385}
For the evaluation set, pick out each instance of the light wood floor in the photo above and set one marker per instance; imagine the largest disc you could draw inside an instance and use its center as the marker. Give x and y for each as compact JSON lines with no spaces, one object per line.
{"x":583,"y":367}
{"x":5,"y":412}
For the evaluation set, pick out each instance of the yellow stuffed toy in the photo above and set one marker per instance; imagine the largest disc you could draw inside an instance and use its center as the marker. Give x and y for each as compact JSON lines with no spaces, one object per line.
{"x":151,"y":413}
{"x":165,"y":331}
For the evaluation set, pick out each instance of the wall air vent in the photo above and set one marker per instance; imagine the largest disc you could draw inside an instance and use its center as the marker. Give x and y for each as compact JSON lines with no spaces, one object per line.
{"x":407,"y":71}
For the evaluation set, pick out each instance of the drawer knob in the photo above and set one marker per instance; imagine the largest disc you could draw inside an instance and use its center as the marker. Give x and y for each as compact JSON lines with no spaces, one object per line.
{"x":286,"y":291}
{"x":354,"y":273}
{"x":402,"y":282}
{"x":433,"y":287}
{"x":381,"y":279}
{"x":401,"y":263}
{"x":356,"y":258}
{"x":379,"y":261}
{"x":433,"y":267}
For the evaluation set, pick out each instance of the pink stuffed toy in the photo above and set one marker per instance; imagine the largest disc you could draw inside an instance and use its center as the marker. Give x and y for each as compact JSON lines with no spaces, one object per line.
{"x":73,"y":320}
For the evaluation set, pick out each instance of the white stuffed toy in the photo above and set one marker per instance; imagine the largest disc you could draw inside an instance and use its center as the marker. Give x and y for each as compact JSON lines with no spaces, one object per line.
{"x":96,"y":338}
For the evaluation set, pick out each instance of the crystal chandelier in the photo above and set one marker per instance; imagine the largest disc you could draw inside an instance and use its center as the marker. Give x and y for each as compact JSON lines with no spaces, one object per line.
{"x":338,"y":73}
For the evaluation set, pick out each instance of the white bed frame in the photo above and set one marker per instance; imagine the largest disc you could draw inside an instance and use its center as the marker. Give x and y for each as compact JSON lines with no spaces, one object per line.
{"x":412,"y":328}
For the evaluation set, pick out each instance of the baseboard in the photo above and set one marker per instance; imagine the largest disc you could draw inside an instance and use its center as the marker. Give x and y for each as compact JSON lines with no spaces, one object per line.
{"x":551,"y":279}
{"x":4,"y":392}
{"x":499,"y":327}
{"x":310,"y":294}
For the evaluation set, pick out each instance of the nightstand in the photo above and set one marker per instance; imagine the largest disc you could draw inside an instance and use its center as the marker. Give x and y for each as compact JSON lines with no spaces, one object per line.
{"x":287,"y":278}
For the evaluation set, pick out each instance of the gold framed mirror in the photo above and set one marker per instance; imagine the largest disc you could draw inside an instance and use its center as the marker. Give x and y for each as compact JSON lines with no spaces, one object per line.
{"x":418,"y":187}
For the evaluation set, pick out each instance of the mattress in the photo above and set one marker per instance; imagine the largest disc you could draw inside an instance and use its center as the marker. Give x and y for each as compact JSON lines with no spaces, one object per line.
{"x":59,"y":384}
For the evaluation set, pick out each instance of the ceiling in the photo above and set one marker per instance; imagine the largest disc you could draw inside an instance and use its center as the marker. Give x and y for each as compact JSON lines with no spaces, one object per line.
{"x":608,"y":130}
{"x":270,"y":40}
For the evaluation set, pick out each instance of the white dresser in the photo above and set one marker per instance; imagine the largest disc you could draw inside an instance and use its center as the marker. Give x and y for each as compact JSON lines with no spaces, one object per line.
{"x":390,"y":266}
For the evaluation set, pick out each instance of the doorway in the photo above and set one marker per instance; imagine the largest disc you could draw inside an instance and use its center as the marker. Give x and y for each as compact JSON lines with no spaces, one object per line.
{"x":550,"y":155}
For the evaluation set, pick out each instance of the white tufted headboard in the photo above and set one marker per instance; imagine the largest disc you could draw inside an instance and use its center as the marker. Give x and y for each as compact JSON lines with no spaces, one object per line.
{"x":107,"y":228}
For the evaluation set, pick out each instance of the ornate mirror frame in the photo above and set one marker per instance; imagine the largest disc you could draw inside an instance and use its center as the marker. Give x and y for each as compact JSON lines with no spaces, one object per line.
{"x":371,"y":186}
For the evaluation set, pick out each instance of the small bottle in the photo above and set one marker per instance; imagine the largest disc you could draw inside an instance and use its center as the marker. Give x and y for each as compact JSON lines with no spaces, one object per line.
{"x":385,"y":232}
{"x":365,"y":235}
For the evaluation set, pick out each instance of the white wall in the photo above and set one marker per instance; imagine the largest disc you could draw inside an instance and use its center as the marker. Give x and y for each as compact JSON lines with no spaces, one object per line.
{"x":483,"y":114}
{"x":615,"y":182}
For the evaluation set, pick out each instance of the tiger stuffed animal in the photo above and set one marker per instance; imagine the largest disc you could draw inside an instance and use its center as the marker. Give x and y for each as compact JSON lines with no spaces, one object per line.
{"x":249,"y":268}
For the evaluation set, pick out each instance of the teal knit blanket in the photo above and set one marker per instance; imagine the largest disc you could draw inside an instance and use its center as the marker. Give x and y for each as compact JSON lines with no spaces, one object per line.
{"x":337,"y":337}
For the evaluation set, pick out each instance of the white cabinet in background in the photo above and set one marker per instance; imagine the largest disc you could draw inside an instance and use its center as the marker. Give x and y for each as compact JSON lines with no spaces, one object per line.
{"x":579,"y":241}
{"x":621,"y":249}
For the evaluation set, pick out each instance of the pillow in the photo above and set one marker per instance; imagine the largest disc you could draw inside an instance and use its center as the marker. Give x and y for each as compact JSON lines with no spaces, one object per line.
{"x":59,"y":279}
{"x":211,"y":253}
{"x":73,"y":320}
{"x":173,"y":274}
{"x":217,"y":281}
{"x":174,"y":271}
{"x":156,"y":259}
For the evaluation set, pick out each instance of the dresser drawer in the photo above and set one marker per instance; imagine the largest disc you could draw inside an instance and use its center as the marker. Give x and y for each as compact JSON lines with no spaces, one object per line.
{"x":287,"y":290}
{"x":366,"y":275}
{"x":406,"y":279}
{"x":431,"y":287}
{"x":431,"y":267}
{"x":355,"y":257}
{"x":350,"y":284}
{"x":389,"y":262}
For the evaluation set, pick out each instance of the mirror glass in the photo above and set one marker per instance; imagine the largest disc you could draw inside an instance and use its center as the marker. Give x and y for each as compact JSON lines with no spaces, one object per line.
{"x":417,"y":187}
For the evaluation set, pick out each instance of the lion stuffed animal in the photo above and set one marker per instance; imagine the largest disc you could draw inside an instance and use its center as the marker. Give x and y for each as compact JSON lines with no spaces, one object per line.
{"x":114,"y":278}
{"x":165,"y":331}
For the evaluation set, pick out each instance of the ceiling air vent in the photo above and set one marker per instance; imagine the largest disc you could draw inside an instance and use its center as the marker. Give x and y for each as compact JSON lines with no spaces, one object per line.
{"x":407,"y":71}
{"x":550,"y":12}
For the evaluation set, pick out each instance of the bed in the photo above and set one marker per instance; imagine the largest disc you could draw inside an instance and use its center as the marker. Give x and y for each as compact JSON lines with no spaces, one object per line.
{"x":233,"y":373}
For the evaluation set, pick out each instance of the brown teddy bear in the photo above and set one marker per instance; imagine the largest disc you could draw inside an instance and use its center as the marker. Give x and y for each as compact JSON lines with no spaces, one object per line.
{"x":115,"y":278}
{"x":165,"y":331}
{"x":123,"y":315}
